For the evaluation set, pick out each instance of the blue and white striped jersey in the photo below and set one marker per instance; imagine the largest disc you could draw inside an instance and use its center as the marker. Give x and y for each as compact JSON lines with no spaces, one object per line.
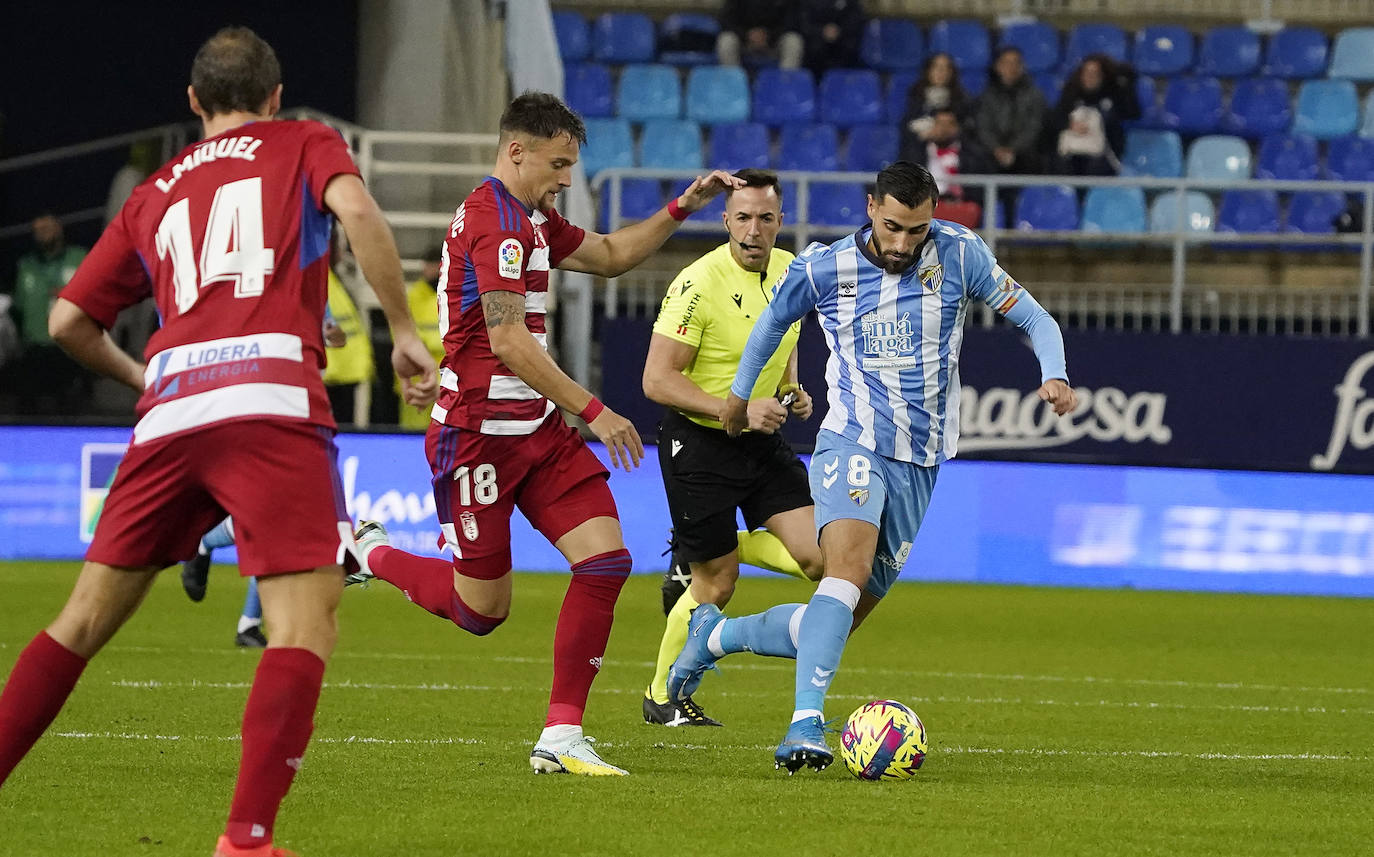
{"x":894,"y":339}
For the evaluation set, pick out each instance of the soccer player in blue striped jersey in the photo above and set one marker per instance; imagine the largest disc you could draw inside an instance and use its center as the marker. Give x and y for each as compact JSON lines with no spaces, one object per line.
{"x":892,"y":299}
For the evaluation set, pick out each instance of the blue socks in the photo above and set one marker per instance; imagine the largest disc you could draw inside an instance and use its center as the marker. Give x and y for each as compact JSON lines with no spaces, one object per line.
{"x":772,"y":632}
{"x":221,"y":536}
{"x":824,"y":631}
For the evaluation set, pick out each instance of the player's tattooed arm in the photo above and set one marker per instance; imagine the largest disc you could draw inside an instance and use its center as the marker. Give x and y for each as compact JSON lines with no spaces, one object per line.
{"x":500,"y":308}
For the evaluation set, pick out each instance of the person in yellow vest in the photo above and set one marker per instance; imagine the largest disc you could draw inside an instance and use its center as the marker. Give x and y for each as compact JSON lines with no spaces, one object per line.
{"x":423,"y":297}
{"x":351,"y":363}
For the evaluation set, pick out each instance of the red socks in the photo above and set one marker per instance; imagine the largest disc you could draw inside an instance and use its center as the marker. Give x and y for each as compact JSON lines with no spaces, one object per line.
{"x":584,"y":626}
{"x":429,"y":584}
{"x":40,"y":683}
{"x":276,"y":727}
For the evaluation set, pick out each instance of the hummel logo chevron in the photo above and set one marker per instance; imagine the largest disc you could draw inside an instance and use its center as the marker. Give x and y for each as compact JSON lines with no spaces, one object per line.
{"x":832,"y":472}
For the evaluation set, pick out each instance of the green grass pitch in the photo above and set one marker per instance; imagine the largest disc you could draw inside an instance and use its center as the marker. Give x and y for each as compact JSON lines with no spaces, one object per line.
{"x":1062,"y":722}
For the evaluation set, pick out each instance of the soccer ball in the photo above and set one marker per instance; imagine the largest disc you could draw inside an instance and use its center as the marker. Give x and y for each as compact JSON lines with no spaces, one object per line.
{"x":883,"y":740}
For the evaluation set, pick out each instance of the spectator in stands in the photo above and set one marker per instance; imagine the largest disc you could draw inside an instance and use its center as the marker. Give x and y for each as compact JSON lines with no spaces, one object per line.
{"x":44,"y":376}
{"x":348,"y":363}
{"x":947,"y":153}
{"x":938,"y":89}
{"x":423,"y":297}
{"x":1086,"y":127}
{"x":144,"y":157}
{"x":759,"y":31}
{"x":832,"y":30}
{"x":1011,"y":116}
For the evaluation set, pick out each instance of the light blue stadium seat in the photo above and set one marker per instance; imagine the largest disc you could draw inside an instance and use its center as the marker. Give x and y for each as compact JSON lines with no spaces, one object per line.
{"x":1352,"y":57}
{"x":1314,"y":212}
{"x":1248,"y":211}
{"x":1114,"y":209}
{"x":623,"y":37}
{"x":808,"y":147}
{"x":648,"y":92}
{"x":739,"y":145}
{"x":717,"y":94}
{"x":1259,"y":107}
{"x":1047,"y":207}
{"x":1229,"y":52}
{"x":1326,"y":109}
{"x":1199,"y":215}
{"x":894,"y":101}
{"x":1367,"y":115}
{"x":1164,"y":49}
{"x":1220,"y":157}
{"x":1295,"y":53}
{"x":893,"y":44}
{"x":1192,"y":105}
{"x":1152,"y":153}
{"x":871,"y":148}
{"x":639,"y":198}
{"x":587,"y":89}
{"x":1350,"y":159}
{"x":1037,"y":41}
{"x":784,"y":96}
{"x":574,"y":36}
{"x":670,"y":144}
{"x":687,"y":24}
{"x":965,"y":40}
{"x":1288,"y":157}
{"x":850,"y":97}
{"x":838,"y":204}
{"x":609,"y":144}
{"x":1085,"y":39}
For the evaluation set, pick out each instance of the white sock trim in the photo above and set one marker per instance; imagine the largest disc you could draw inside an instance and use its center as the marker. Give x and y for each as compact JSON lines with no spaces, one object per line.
{"x":794,"y":625}
{"x":246,"y":622}
{"x":713,"y":641}
{"x":841,"y":590}
{"x":803,"y":713}
{"x":560,"y":735}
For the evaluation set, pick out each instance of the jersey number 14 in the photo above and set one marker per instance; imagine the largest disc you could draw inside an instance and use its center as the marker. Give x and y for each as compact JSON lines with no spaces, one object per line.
{"x":232,"y":250}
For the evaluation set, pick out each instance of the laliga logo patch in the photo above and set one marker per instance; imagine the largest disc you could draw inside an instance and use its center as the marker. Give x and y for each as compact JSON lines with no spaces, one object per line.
{"x":858,"y":495}
{"x":469,"y":522}
{"x":509,"y":258}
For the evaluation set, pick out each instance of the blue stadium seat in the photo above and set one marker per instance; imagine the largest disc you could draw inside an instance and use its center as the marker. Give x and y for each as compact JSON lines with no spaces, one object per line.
{"x":1192,"y":105}
{"x":894,"y":101}
{"x":782,"y":97}
{"x":1037,"y":41}
{"x":609,"y":144}
{"x":1114,"y":209}
{"x":670,"y":144}
{"x":623,"y":37}
{"x":1050,"y":84}
{"x":690,"y":26}
{"x":1220,"y":157}
{"x":648,"y":92}
{"x":809,"y":147}
{"x":1085,"y":39}
{"x":1047,"y":207}
{"x":739,"y":145}
{"x":1326,"y":109}
{"x":1164,"y":50}
{"x":574,"y":36}
{"x":965,"y":40}
{"x":1352,"y":57}
{"x":1248,"y":211}
{"x":1288,"y":157}
{"x":639,"y":198}
{"x":717,"y":94}
{"x":1296,"y":52}
{"x":1151,"y":114}
{"x":1152,"y":153}
{"x":587,"y":88}
{"x":1350,"y":159}
{"x":1314,"y":212}
{"x":850,"y":97}
{"x":974,"y":82}
{"x":837,"y":204}
{"x":1229,"y":52}
{"x":1259,"y":107}
{"x":871,"y":148}
{"x":1367,"y":115}
{"x":893,"y":44}
{"x":1198,"y":213}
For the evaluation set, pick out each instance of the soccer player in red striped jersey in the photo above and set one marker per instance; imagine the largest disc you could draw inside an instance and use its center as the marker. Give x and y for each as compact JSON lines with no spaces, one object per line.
{"x":497,"y":441}
{"x":231,"y":239}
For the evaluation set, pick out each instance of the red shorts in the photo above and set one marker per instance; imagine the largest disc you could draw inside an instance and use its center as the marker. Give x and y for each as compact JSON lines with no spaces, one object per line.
{"x":279,"y":480}
{"x":551,"y":475}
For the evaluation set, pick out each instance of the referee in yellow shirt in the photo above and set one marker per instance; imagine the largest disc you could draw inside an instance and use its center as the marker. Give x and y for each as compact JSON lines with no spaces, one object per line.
{"x":703,"y":325}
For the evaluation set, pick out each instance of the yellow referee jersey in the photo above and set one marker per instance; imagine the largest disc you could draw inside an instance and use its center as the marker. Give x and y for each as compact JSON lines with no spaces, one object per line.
{"x":712,"y":306}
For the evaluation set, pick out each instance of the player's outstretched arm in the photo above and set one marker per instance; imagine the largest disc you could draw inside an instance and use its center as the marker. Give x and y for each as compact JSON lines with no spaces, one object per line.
{"x":614,"y":254}
{"x":86,"y":341}
{"x":665,"y":384}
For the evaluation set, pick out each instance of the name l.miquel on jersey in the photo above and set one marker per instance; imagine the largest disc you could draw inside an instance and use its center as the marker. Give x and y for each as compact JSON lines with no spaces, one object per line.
{"x":243,"y":148}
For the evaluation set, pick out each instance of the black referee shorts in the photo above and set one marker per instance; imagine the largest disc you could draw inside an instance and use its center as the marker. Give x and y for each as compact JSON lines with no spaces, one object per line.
{"x":708,"y":475}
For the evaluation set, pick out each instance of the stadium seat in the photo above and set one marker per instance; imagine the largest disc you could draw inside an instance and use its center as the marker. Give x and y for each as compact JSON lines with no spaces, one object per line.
{"x":1198,"y":212}
{"x":1147,"y":94}
{"x":1352,"y":57}
{"x":782,"y":97}
{"x":1350,"y":159}
{"x":739,"y":145}
{"x":717,"y":94}
{"x":1248,"y":211}
{"x":587,"y":88}
{"x":1037,"y":41}
{"x":1050,"y":84}
{"x":894,"y":101}
{"x":648,"y":92}
{"x":960,"y":211}
{"x":1114,"y":209}
{"x":1326,"y":109}
{"x":670,"y":144}
{"x":850,"y":97}
{"x":1296,"y":52}
{"x":1314,"y":212}
{"x":809,"y":147}
{"x":1163,"y":50}
{"x":1047,"y":207}
{"x":1288,"y":157}
{"x":574,"y":36}
{"x":1085,"y":39}
{"x":1259,"y":107}
{"x":1218,"y":157}
{"x":1229,"y":52}
{"x":1192,"y":105}
{"x":974,"y":82}
{"x":1367,"y":115}
{"x":892,"y":44}
{"x":1152,"y":153}
{"x":688,"y":28}
{"x":837,"y":204}
{"x":609,"y":144}
{"x":965,"y":40}
{"x":623,"y":37}
{"x":871,"y":148}
{"x":639,"y":198}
